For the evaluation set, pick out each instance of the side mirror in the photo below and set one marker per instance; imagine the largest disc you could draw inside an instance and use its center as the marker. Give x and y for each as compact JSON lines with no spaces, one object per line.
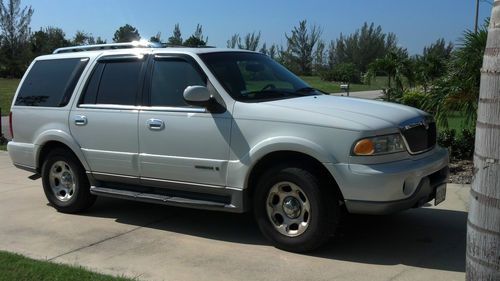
{"x":197,"y":95}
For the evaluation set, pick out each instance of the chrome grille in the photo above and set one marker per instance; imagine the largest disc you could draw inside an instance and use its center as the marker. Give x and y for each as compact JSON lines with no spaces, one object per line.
{"x":419,"y":136}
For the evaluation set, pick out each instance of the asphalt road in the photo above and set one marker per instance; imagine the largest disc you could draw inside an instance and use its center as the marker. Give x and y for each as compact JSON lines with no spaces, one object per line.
{"x":152,"y":242}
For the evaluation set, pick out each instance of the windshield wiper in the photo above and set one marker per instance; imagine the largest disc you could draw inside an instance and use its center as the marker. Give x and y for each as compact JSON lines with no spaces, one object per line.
{"x":277,"y":93}
{"x":308,"y":90}
{"x":274,"y":91}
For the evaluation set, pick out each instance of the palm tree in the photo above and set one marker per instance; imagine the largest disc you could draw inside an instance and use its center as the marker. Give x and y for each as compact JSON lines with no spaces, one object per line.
{"x":458,"y":89}
{"x":397,"y":66}
{"x":483,"y":227}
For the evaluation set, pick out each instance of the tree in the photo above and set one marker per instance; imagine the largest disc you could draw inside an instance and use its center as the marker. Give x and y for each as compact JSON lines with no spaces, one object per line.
{"x":319,"y":57}
{"x":14,"y":27}
{"x":45,"y":41}
{"x":197,"y":39}
{"x":397,"y":66}
{"x":176,"y":38}
{"x":251,"y":41}
{"x":99,"y":40}
{"x":272,"y":51}
{"x":263,"y":49}
{"x":82,"y":38}
{"x":126,"y":33}
{"x":301,"y":45}
{"x":433,"y":62}
{"x":156,"y":38}
{"x":483,"y":227}
{"x":458,"y":89}
{"x":234,"y":42}
{"x":362,"y":47}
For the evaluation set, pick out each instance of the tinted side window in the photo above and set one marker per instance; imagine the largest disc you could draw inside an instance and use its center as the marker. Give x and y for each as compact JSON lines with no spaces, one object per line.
{"x":119,"y":83}
{"x":170,"y":79}
{"x":51,"y":82}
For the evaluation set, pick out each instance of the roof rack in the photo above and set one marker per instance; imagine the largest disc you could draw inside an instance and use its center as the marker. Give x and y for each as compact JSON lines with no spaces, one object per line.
{"x":128,"y":45}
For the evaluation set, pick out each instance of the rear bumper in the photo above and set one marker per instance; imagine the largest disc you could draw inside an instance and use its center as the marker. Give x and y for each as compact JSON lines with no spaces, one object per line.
{"x":22,"y":155}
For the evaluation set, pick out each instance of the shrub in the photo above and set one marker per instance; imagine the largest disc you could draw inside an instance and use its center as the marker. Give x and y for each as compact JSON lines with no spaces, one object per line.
{"x":461,"y":147}
{"x":343,"y":72}
{"x":392,"y":94}
{"x":464,"y":147}
{"x":414,"y":98}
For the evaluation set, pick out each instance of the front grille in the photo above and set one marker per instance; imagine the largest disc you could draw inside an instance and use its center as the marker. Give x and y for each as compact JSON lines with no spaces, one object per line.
{"x":419,"y":136}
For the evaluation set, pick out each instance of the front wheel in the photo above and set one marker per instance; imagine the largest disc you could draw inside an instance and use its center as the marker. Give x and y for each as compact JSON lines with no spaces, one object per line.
{"x":64,"y":182}
{"x":294,"y":209}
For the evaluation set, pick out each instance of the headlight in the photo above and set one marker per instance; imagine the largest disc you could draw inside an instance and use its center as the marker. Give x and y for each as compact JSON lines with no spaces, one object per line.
{"x":379,"y":145}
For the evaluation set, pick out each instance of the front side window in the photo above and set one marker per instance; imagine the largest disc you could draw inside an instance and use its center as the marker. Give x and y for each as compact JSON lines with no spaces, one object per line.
{"x":169,"y":80}
{"x":252,"y":77}
{"x":50,"y":83}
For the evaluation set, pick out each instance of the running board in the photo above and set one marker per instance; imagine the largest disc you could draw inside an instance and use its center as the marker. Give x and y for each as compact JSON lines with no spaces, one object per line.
{"x":159,"y":199}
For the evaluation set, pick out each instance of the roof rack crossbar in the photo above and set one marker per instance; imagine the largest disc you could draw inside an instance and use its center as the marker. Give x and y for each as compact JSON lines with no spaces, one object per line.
{"x":127,"y":45}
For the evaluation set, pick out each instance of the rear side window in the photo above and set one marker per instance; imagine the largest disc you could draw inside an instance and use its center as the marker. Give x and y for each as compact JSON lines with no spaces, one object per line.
{"x":50,"y":83}
{"x":115,"y":82}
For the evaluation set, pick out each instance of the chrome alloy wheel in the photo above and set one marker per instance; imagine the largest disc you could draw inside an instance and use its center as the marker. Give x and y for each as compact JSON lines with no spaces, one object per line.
{"x":288,"y":209}
{"x":62,"y":181}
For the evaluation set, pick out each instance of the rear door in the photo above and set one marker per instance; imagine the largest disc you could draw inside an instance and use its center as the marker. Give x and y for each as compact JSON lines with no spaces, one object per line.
{"x":179,"y":142}
{"x":104,"y":121}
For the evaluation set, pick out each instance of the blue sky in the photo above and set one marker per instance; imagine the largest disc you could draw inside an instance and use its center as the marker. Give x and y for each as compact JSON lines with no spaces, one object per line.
{"x":416,"y":23}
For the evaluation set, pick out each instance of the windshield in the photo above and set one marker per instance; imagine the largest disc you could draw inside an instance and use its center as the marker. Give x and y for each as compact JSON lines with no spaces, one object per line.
{"x":251,"y":77}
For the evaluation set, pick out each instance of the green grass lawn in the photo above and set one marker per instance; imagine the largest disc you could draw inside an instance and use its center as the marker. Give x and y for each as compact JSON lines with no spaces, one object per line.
{"x":456,"y":122}
{"x":7,"y":89}
{"x":19,"y":268}
{"x":3,"y":147}
{"x":334,"y":87}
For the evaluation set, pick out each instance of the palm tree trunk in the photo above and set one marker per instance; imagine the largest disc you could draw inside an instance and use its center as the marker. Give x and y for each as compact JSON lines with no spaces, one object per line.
{"x":483,"y":226}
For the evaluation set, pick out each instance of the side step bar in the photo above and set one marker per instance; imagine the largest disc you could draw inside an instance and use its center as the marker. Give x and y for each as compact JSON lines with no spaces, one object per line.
{"x":160,"y":199}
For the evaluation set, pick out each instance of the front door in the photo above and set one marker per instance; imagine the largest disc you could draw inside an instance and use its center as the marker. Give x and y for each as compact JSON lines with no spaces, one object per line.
{"x":179,"y":142}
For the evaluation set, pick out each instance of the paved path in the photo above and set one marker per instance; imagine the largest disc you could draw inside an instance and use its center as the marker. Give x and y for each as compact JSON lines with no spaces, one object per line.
{"x":364,"y":94}
{"x":5,"y":127}
{"x":154,"y":242}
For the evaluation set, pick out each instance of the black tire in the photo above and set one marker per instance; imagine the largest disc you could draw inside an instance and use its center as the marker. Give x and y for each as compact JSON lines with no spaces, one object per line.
{"x":323,"y":201}
{"x":81,"y":198}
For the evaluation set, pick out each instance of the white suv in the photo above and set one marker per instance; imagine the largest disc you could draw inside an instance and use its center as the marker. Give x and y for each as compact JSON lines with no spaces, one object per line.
{"x":220,"y":130}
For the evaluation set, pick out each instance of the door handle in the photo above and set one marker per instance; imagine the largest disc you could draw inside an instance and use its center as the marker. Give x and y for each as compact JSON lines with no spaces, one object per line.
{"x":155,"y":124}
{"x":80,"y":120}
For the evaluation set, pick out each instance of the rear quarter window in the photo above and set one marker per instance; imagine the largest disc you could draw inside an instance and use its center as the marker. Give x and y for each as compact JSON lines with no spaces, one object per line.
{"x":50,"y":83}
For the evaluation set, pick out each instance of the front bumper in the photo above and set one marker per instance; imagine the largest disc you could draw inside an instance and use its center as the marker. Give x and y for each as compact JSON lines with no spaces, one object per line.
{"x":425,"y":192}
{"x":391,"y":187}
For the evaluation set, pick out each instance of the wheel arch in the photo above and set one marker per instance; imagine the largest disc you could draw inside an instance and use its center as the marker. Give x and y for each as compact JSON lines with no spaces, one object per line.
{"x":47,"y":142}
{"x":283,"y":156}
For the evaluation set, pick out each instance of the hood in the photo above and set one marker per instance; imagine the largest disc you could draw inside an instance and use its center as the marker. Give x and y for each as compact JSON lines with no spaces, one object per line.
{"x":331,"y":111}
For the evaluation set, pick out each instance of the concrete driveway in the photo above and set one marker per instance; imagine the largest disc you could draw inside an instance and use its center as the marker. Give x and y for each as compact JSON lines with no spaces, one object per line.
{"x":152,"y":242}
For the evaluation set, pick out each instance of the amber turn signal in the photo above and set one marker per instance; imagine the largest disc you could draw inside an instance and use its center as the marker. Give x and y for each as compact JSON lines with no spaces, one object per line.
{"x":364,"y":147}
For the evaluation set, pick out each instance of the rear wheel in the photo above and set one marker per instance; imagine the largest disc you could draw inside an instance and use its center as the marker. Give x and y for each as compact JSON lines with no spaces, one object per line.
{"x":64,"y":182}
{"x":294,"y":209}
